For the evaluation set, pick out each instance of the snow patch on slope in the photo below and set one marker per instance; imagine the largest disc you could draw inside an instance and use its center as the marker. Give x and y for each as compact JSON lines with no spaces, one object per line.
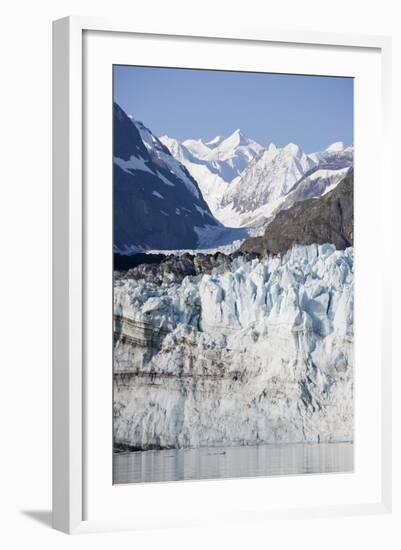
{"x":158,"y":151}
{"x":134,"y":163}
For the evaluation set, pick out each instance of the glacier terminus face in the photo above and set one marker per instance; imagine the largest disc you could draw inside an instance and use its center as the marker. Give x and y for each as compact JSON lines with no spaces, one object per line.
{"x":250,"y":352}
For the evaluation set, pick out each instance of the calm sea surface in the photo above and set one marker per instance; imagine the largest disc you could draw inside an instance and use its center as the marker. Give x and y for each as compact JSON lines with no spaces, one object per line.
{"x":229,"y":462}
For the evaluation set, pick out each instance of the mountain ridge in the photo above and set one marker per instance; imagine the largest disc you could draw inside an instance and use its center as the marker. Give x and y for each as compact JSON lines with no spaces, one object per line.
{"x":269,"y":176}
{"x":328,"y":219}
{"x":157,"y":203}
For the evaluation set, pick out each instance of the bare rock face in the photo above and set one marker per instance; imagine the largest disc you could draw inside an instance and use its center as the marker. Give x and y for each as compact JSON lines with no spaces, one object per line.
{"x":328,"y":219}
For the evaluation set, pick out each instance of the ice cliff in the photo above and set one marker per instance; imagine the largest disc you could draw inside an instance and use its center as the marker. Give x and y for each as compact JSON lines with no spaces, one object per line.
{"x":249,"y":352}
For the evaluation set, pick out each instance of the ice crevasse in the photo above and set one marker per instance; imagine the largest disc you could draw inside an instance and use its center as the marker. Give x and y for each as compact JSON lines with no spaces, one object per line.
{"x":257,"y":352}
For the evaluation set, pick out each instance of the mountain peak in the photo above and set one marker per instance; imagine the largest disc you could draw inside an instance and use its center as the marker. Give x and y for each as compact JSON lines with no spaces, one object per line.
{"x":292,"y":148}
{"x":214,"y":142}
{"x":239,"y":135}
{"x":197,"y":148}
{"x":235,"y":139}
{"x":157,"y":203}
{"x":336,"y":147}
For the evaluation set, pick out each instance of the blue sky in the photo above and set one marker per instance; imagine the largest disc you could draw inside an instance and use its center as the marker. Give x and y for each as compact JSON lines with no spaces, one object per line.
{"x":312,"y":111}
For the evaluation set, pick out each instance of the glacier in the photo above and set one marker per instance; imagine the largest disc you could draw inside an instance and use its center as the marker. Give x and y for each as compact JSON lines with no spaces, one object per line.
{"x":251,"y":351}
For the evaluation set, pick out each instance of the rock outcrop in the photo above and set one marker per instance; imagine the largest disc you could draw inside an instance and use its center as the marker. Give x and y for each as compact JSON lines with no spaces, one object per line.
{"x":328,"y":219}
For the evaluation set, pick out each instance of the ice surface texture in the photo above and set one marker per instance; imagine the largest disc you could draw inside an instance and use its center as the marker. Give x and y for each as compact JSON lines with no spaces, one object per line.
{"x":258,"y":352}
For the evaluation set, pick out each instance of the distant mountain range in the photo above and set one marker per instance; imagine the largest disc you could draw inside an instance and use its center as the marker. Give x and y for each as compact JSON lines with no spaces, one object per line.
{"x":171,"y":195}
{"x":246,"y":184}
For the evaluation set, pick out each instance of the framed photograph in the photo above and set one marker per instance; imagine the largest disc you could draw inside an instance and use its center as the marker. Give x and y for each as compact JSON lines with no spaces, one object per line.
{"x":221,"y":334}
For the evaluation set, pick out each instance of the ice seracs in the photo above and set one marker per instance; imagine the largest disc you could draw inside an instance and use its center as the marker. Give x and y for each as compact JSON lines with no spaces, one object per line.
{"x":257,"y":352}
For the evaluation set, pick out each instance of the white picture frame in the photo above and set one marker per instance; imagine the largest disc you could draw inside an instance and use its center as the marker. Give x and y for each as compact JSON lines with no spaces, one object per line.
{"x":70,"y":285}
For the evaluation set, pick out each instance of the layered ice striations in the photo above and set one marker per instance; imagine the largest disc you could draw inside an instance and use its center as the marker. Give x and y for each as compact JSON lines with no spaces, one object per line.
{"x":257,"y":352}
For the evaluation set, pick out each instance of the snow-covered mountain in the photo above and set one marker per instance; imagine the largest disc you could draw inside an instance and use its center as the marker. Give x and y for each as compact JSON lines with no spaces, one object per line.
{"x":157,"y":203}
{"x":214,"y":142}
{"x":265,"y":181}
{"x":247,"y":185}
{"x":181,"y":196}
{"x":278,"y":178}
{"x":214,"y":164}
{"x":335,"y":156}
{"x":212,"y":183}
{"x":230,"y":155}
{"x":277,"y":169}
{"x":245,"y":353}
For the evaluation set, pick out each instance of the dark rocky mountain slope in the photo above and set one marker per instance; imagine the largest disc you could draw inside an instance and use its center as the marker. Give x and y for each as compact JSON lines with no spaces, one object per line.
{"x":157,"y":203}
{"x":328,"y":219}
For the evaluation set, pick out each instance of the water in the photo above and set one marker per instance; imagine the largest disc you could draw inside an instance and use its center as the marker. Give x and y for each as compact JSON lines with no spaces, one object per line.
{"x":231,"y":462}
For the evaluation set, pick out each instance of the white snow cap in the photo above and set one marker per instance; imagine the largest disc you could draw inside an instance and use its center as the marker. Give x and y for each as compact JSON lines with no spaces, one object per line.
{"x":239,"y":134}
{"x":197,"y":147}
{"x":292,"y":148}
{"x":234,"y":140}
{"x":336,"y":147}
{"x":214,"y":141}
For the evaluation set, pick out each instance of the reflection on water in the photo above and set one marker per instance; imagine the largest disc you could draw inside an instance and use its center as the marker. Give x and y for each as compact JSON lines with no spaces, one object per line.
{"x":229,"y":462}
